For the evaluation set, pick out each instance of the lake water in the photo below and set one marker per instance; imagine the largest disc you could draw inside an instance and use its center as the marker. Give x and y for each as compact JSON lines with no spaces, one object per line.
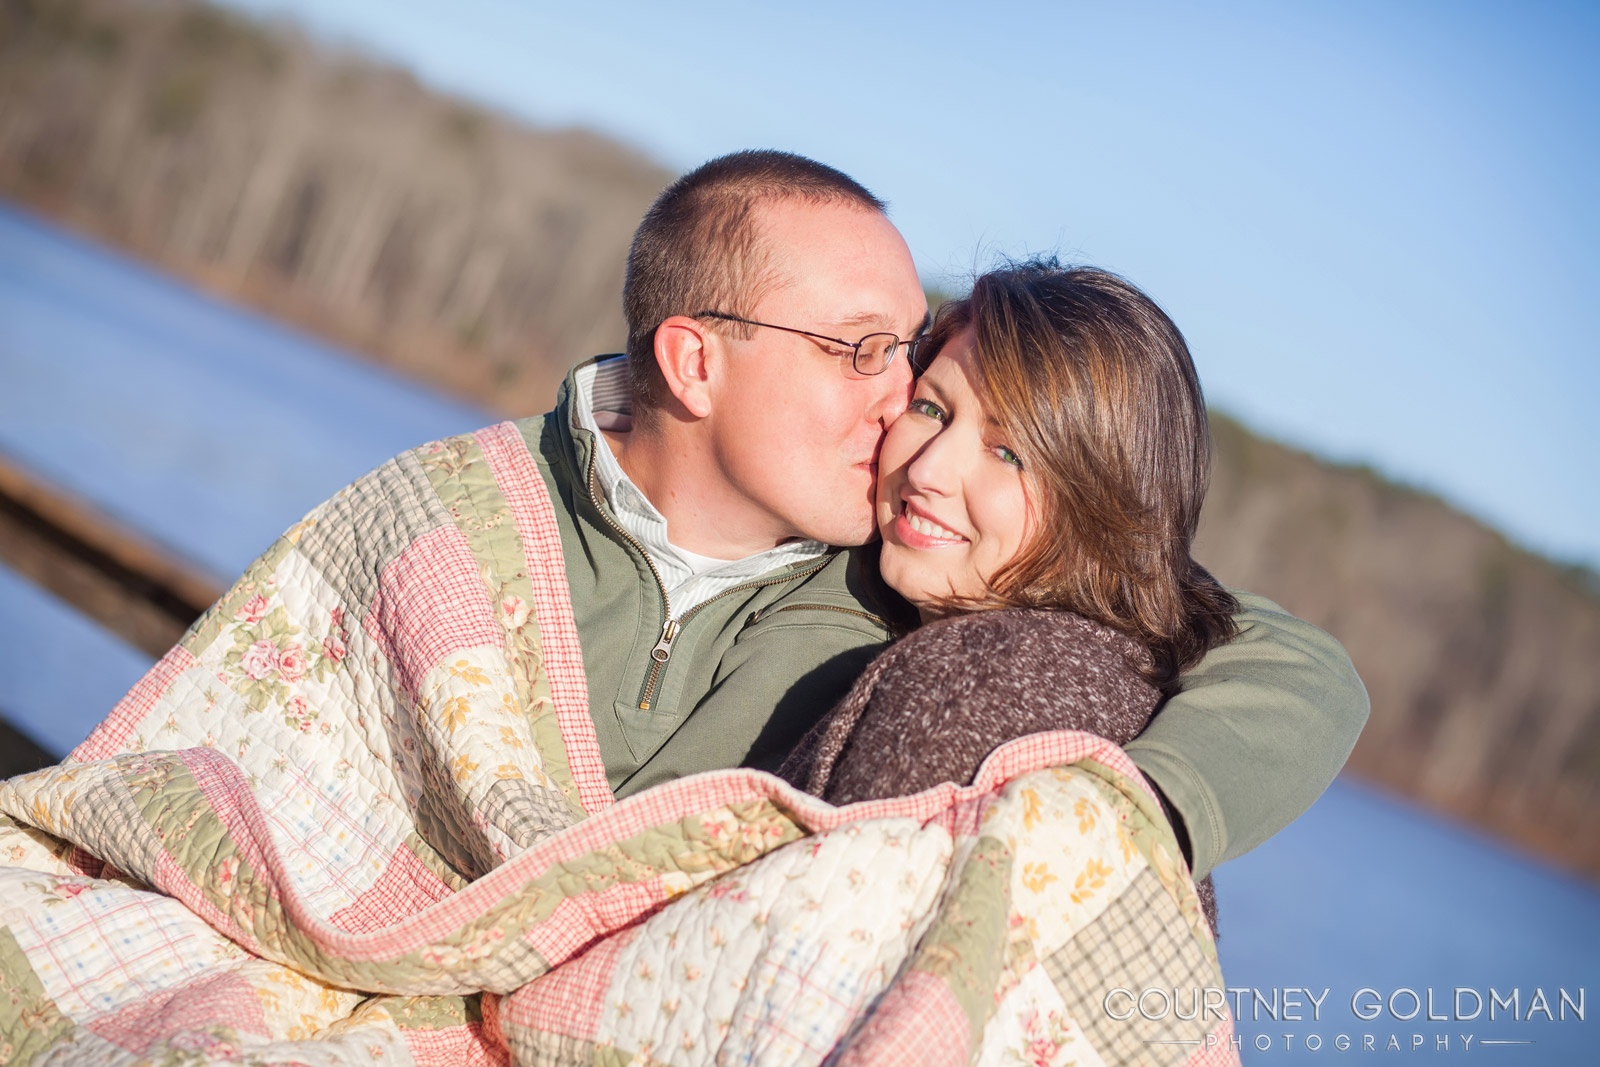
{"x":212,"y":429}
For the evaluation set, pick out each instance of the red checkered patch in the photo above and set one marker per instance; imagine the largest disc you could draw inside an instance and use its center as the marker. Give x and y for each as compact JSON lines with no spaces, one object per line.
{"x":113,"y":732}
{"x":571,"y":999}
{"x":455,"y":1046}
{"x":223,"y":998}
{"x":918,"y":1023}
{"x":1217,"y":1050}
{"x":431,"y":602}
{"x":579,"y":920}
{"x":405,"y":886}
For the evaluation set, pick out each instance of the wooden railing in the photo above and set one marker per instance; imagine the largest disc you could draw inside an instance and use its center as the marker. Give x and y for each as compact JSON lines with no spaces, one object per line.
{"x":122,"y":580}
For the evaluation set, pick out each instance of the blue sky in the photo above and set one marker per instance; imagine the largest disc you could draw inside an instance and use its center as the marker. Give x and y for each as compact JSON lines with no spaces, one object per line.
{"x":1375,"y":222}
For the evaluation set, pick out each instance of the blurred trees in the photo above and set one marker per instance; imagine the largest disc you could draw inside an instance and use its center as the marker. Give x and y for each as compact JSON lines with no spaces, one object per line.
{"x":448,"y":240}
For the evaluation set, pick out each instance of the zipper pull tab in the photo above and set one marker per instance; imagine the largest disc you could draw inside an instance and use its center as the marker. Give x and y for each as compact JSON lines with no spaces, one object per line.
{"x":663,"y":647}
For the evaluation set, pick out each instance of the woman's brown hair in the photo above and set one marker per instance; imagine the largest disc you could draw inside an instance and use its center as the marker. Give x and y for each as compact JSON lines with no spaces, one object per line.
{"x":1096,"y":388}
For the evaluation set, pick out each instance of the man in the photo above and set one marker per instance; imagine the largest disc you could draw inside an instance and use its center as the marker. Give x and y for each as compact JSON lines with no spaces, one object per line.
{"x":702,"y":480}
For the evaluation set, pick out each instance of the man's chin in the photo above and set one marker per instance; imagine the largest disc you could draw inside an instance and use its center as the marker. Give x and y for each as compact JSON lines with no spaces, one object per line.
{"x":841,"y":527}
{"x":847,"y":535}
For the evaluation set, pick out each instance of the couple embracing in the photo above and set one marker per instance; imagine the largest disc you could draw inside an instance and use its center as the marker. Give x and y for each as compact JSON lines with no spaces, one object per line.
{"x":1026,"y":477}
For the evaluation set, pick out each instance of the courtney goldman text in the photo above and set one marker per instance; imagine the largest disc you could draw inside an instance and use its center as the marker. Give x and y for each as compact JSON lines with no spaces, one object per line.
{"x":1380,"y":1009}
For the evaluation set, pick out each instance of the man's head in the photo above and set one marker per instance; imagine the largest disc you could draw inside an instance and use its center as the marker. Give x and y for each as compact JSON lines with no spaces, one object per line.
{"x":789,"y":429}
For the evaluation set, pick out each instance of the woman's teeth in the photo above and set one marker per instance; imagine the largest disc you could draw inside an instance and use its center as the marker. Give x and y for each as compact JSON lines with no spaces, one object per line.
{"x":930,"y":529}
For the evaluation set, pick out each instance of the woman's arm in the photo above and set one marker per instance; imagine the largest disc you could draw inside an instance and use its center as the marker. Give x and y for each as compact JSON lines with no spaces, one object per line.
{"x":1259,"y":729}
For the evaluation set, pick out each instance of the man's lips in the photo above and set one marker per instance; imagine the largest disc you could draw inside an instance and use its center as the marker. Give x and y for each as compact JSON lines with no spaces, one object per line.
{"x":871,"y":461}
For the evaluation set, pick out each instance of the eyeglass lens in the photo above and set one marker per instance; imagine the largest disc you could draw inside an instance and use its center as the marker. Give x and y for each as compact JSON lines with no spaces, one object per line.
{"x":875,"y":351}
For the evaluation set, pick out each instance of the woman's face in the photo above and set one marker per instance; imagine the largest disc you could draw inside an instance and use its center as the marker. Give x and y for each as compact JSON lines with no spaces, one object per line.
{"x":953,"y":503}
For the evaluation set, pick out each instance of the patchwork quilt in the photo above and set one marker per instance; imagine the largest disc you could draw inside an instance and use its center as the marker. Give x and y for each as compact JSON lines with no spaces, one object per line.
{"x":358,"y":816}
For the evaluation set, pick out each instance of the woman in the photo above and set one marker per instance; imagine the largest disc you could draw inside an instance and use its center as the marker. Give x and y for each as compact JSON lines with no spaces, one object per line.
{"x":1037,"y":504}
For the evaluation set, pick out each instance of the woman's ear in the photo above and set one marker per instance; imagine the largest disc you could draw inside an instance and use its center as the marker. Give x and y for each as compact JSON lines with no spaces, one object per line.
{"x":681,"y":354}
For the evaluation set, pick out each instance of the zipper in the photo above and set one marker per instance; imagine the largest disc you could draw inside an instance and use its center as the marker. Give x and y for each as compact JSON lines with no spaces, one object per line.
{"x":663,"y":649}
{"x":761,"y":613}
{"x":670,"y":627}
{"x":669,"y":631}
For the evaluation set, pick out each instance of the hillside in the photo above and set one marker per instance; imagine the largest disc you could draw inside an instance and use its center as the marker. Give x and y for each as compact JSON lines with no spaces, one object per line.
{"x":484,"y":255}
{"x":326,"y":189}
{"x":1480,"y":658}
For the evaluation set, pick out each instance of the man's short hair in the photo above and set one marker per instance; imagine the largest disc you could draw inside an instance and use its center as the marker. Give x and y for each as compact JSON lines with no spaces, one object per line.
{"x":699,"y":249}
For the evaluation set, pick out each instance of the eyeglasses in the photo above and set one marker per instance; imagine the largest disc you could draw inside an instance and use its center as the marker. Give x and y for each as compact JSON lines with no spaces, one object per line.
{"x":871,"y":355}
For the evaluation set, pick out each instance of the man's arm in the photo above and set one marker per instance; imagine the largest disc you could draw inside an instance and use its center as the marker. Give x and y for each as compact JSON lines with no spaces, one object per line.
{"x":1259,"y":729}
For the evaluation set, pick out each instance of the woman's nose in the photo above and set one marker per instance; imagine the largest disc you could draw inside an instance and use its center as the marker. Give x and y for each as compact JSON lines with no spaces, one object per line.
{"x":934,"y":469}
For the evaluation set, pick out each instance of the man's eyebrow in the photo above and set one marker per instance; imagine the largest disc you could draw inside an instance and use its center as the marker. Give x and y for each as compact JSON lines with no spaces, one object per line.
{"x":861,"y":318}
{"x":876,"y":318}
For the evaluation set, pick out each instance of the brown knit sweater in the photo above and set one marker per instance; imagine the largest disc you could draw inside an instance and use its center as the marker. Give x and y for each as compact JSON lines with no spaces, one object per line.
{"x":936,"y":702}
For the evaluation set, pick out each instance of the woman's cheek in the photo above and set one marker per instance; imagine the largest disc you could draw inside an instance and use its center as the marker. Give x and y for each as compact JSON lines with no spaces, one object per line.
{"x":1005,"y":521}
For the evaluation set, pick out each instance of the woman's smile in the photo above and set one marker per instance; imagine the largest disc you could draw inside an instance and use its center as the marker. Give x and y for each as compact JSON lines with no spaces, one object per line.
{"x":920,"y":530}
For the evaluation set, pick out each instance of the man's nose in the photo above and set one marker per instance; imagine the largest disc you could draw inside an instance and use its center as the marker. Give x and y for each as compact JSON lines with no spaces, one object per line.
{"x":892,"y":393}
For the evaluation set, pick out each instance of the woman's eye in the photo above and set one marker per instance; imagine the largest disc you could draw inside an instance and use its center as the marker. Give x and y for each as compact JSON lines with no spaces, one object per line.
{"x":927,"y":408}
{"x":1008,"y":456}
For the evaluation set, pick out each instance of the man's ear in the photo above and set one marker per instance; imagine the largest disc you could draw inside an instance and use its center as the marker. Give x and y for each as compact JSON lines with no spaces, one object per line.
{"x":681,"y":355}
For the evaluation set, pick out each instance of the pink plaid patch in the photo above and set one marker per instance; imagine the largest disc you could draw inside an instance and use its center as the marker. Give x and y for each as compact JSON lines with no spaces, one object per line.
{"x":571,"y":999}
{"x":404,"y":887}
{"x":517,"y":474}
{"x":431,"y":602}
{"x":223,"y":999}
{"x":579,"y":920}
{"x":918,"y":1023}
{"x":113,"y":732}
{"x":456,"y":1046}
{"x":1217,"y":1050}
